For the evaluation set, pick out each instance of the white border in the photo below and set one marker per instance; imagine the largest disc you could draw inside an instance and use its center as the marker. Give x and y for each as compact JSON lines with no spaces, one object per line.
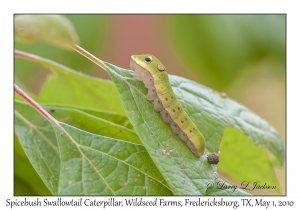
{"x":293,"y":71}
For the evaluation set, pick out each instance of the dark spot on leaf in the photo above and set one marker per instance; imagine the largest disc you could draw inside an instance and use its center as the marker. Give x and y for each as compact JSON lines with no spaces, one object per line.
{"x":182,"y":121}
{"x":51,"y":110}
{"x":173,"y":110}
{"x":178,"y":108}
{"x":166,"y":99}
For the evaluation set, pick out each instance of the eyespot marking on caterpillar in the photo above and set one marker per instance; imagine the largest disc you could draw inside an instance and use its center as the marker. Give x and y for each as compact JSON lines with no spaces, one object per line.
{"x":151,"y":71}
{"x":148,"y":59}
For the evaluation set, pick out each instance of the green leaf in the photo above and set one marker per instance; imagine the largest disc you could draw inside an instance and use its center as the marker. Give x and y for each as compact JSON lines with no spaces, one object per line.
{"x":66,"y":86}
{"x":98,"y":165}
{"x":110,"y":116}
{"x":113,"y":117}
{"x":26,"y":180}
{"x":185,"y":173}
{"x":88,"y":164}
{"x":38,"y":140}
{"x":212,"y":113}
{"x":254,"y":165}
{"x":93,"y":124}
{"x":55,"y":29}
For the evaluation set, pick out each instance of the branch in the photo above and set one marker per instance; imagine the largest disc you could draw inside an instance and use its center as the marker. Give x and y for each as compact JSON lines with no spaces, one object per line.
{"x":34,"y":104}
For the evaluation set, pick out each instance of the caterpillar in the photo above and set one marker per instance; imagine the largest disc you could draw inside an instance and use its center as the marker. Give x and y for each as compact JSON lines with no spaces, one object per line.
{"x":151,"y":71}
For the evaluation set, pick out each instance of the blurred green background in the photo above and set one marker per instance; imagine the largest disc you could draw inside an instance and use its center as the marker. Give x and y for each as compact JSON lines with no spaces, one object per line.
{"x":242,"y":55}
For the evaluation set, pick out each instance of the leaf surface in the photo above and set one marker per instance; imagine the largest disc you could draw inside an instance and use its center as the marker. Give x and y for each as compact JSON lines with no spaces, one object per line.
{"x":68,"y":87}
{"x":55,"y":29}
{"x":26,"y":180}
{"x":113,"y":117}
{"x":93,"y":124}
{"x":74,"y":162}
{"x":38,"y":140}
{"x":185,"y":173}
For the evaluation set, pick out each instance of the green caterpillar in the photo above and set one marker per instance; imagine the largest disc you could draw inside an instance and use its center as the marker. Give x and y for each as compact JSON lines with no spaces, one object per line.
{"x":149,"y":69}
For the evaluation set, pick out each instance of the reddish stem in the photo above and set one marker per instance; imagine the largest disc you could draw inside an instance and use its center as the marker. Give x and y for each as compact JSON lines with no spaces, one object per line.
{"x":89,"y":56}
{"x":34,"y":104}
{"x":25,"y":55}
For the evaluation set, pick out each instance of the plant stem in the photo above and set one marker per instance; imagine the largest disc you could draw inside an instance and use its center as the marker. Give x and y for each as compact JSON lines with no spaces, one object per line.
{"x":26,"y":56}
{"x":89,"y":56}
{"x":34,"y":104}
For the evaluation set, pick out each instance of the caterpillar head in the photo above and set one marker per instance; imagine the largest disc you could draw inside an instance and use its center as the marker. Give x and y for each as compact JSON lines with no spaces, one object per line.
{"x":146,"y":62}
